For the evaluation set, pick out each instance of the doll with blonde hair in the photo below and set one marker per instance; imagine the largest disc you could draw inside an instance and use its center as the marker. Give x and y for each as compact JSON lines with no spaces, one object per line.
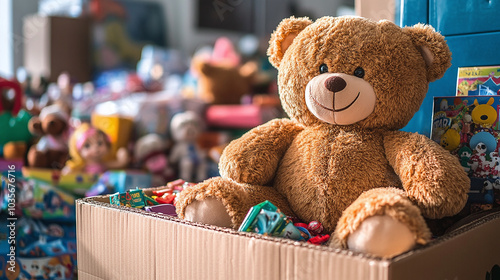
{"x":89,"y":148}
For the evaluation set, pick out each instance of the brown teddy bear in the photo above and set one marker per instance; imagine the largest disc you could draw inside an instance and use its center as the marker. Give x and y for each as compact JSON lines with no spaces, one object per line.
{"x":51,"y":150}
{"x":348,"y":84}
{"x":219,"y":83}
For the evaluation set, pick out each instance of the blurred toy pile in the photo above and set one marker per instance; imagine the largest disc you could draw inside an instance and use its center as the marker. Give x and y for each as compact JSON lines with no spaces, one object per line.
{"x":146,"y":116}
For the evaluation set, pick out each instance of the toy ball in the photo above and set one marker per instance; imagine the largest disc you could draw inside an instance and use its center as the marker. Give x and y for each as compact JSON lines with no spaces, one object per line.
{"x":450,"y":140}
{"x":315,"y":227}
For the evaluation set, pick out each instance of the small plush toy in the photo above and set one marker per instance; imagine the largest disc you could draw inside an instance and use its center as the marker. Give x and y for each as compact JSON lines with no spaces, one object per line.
{"x":186,"y":155}
{"x":88,"y":148}
{"x":150,"y":153}
{"x":51,"y":150}
{"x":348,"y":85}
{"x":224,"y":84}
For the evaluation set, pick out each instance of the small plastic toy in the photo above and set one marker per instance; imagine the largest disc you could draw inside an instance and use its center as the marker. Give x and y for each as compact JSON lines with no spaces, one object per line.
{"x":189,"y":158}
{"x":265,"y":218}
{"x":315,"y":227}
{"x":88,"y":148}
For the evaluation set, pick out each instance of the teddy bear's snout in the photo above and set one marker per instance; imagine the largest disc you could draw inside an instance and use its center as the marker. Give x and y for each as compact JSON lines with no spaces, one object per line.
{"x":335,"y":84}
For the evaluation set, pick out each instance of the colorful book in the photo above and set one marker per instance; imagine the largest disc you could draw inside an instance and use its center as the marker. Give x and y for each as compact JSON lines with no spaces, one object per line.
{"x":484,"y":80}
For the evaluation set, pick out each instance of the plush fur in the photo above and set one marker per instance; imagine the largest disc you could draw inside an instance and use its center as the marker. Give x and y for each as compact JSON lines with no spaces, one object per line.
{"x":340,"y":158}
{"x":51,"y":151}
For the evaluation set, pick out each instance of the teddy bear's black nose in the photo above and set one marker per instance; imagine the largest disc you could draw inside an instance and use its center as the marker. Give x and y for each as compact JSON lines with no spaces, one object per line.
{"x":335,"y":84}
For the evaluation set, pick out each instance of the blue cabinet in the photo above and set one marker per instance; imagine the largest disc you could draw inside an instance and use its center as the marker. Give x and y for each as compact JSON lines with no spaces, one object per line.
{"x":472,"y":31}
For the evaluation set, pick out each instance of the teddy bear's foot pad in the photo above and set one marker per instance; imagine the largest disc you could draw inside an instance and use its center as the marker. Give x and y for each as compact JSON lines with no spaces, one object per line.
{"x":381,"y":236}
{"x":208,"y":211}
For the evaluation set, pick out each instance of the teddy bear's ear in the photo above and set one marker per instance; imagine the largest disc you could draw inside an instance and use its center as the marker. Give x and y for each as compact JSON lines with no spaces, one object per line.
{"x":433,"y":47}
{"x":35,"y":126}
{"x":283,"y":37}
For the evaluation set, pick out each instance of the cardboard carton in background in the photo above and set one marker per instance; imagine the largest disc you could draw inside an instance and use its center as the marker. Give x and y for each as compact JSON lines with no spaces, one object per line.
{"x":54,"y":44}
{"x":116,"y":242}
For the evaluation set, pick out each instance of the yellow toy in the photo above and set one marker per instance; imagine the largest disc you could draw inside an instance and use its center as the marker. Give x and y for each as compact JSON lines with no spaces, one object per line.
{"x":88,"y":148}
{"x":484,"y":114}
{"x":450,"y":139}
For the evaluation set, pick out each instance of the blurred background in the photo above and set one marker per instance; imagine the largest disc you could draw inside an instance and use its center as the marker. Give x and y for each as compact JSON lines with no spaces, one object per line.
{"x":184,"y":25}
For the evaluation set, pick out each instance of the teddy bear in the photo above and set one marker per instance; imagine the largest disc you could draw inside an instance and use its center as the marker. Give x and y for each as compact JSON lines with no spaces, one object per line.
{"x":347,"y":84}
{"x":220,"y":83}
{"x":51,"y":150}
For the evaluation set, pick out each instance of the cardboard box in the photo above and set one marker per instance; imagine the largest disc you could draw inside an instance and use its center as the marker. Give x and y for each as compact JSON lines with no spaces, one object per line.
{"x":116,"y":242}
{"x":55,"y":44}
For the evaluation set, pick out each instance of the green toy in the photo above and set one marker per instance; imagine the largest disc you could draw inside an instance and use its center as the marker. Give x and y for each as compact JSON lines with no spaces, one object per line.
{"x":13,"y":119}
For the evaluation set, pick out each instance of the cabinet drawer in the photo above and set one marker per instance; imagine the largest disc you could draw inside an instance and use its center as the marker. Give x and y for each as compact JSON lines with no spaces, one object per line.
{"x":453,"y":17}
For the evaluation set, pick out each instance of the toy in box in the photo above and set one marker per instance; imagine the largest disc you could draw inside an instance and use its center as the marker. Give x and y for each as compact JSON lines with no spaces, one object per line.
{"x":469,"y":127}
{"x":483,"y":80}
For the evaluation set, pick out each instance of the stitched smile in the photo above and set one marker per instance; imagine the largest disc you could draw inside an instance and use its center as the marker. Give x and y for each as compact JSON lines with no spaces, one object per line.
{"x":333,"y":110}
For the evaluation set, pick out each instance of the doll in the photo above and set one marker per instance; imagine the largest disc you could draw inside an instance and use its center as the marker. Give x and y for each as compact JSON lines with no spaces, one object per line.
{"x":88,"y":148}
{"x":189,"y":158}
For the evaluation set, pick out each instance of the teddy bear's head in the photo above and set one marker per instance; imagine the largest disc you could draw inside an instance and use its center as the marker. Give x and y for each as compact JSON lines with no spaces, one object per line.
{"x":53,"y":120}
{"x":352,"y":71}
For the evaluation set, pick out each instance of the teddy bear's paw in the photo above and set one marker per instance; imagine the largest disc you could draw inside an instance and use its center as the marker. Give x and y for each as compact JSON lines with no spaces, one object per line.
{"x":208,"y":211}
{"x":382,"y":236}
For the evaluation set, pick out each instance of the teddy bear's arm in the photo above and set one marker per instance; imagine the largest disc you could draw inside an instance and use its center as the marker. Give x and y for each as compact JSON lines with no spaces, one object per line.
{"x":431,"y":176}
{"x":254,"y":157}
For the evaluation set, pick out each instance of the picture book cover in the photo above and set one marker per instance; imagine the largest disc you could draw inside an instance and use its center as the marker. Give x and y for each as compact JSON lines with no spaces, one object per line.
{"x":469,"y":127}
{"x":484,"y":80}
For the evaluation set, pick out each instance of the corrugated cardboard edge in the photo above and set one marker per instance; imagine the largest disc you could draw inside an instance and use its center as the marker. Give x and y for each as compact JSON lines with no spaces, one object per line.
{"x":468,"y":252}
{"x":116,"y":242}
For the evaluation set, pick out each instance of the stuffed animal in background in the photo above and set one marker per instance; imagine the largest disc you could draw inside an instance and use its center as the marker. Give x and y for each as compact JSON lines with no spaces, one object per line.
{"x":185,"y":155}
{"x":222,"y":79}
{"x":224,"y":84}
{"x":348,"y":85}
{"x":51,"y":150}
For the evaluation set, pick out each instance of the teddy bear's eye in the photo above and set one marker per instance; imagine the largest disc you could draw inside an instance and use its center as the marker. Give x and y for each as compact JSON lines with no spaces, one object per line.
{"x":323,"y":68}
{"x":359,"y":72}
